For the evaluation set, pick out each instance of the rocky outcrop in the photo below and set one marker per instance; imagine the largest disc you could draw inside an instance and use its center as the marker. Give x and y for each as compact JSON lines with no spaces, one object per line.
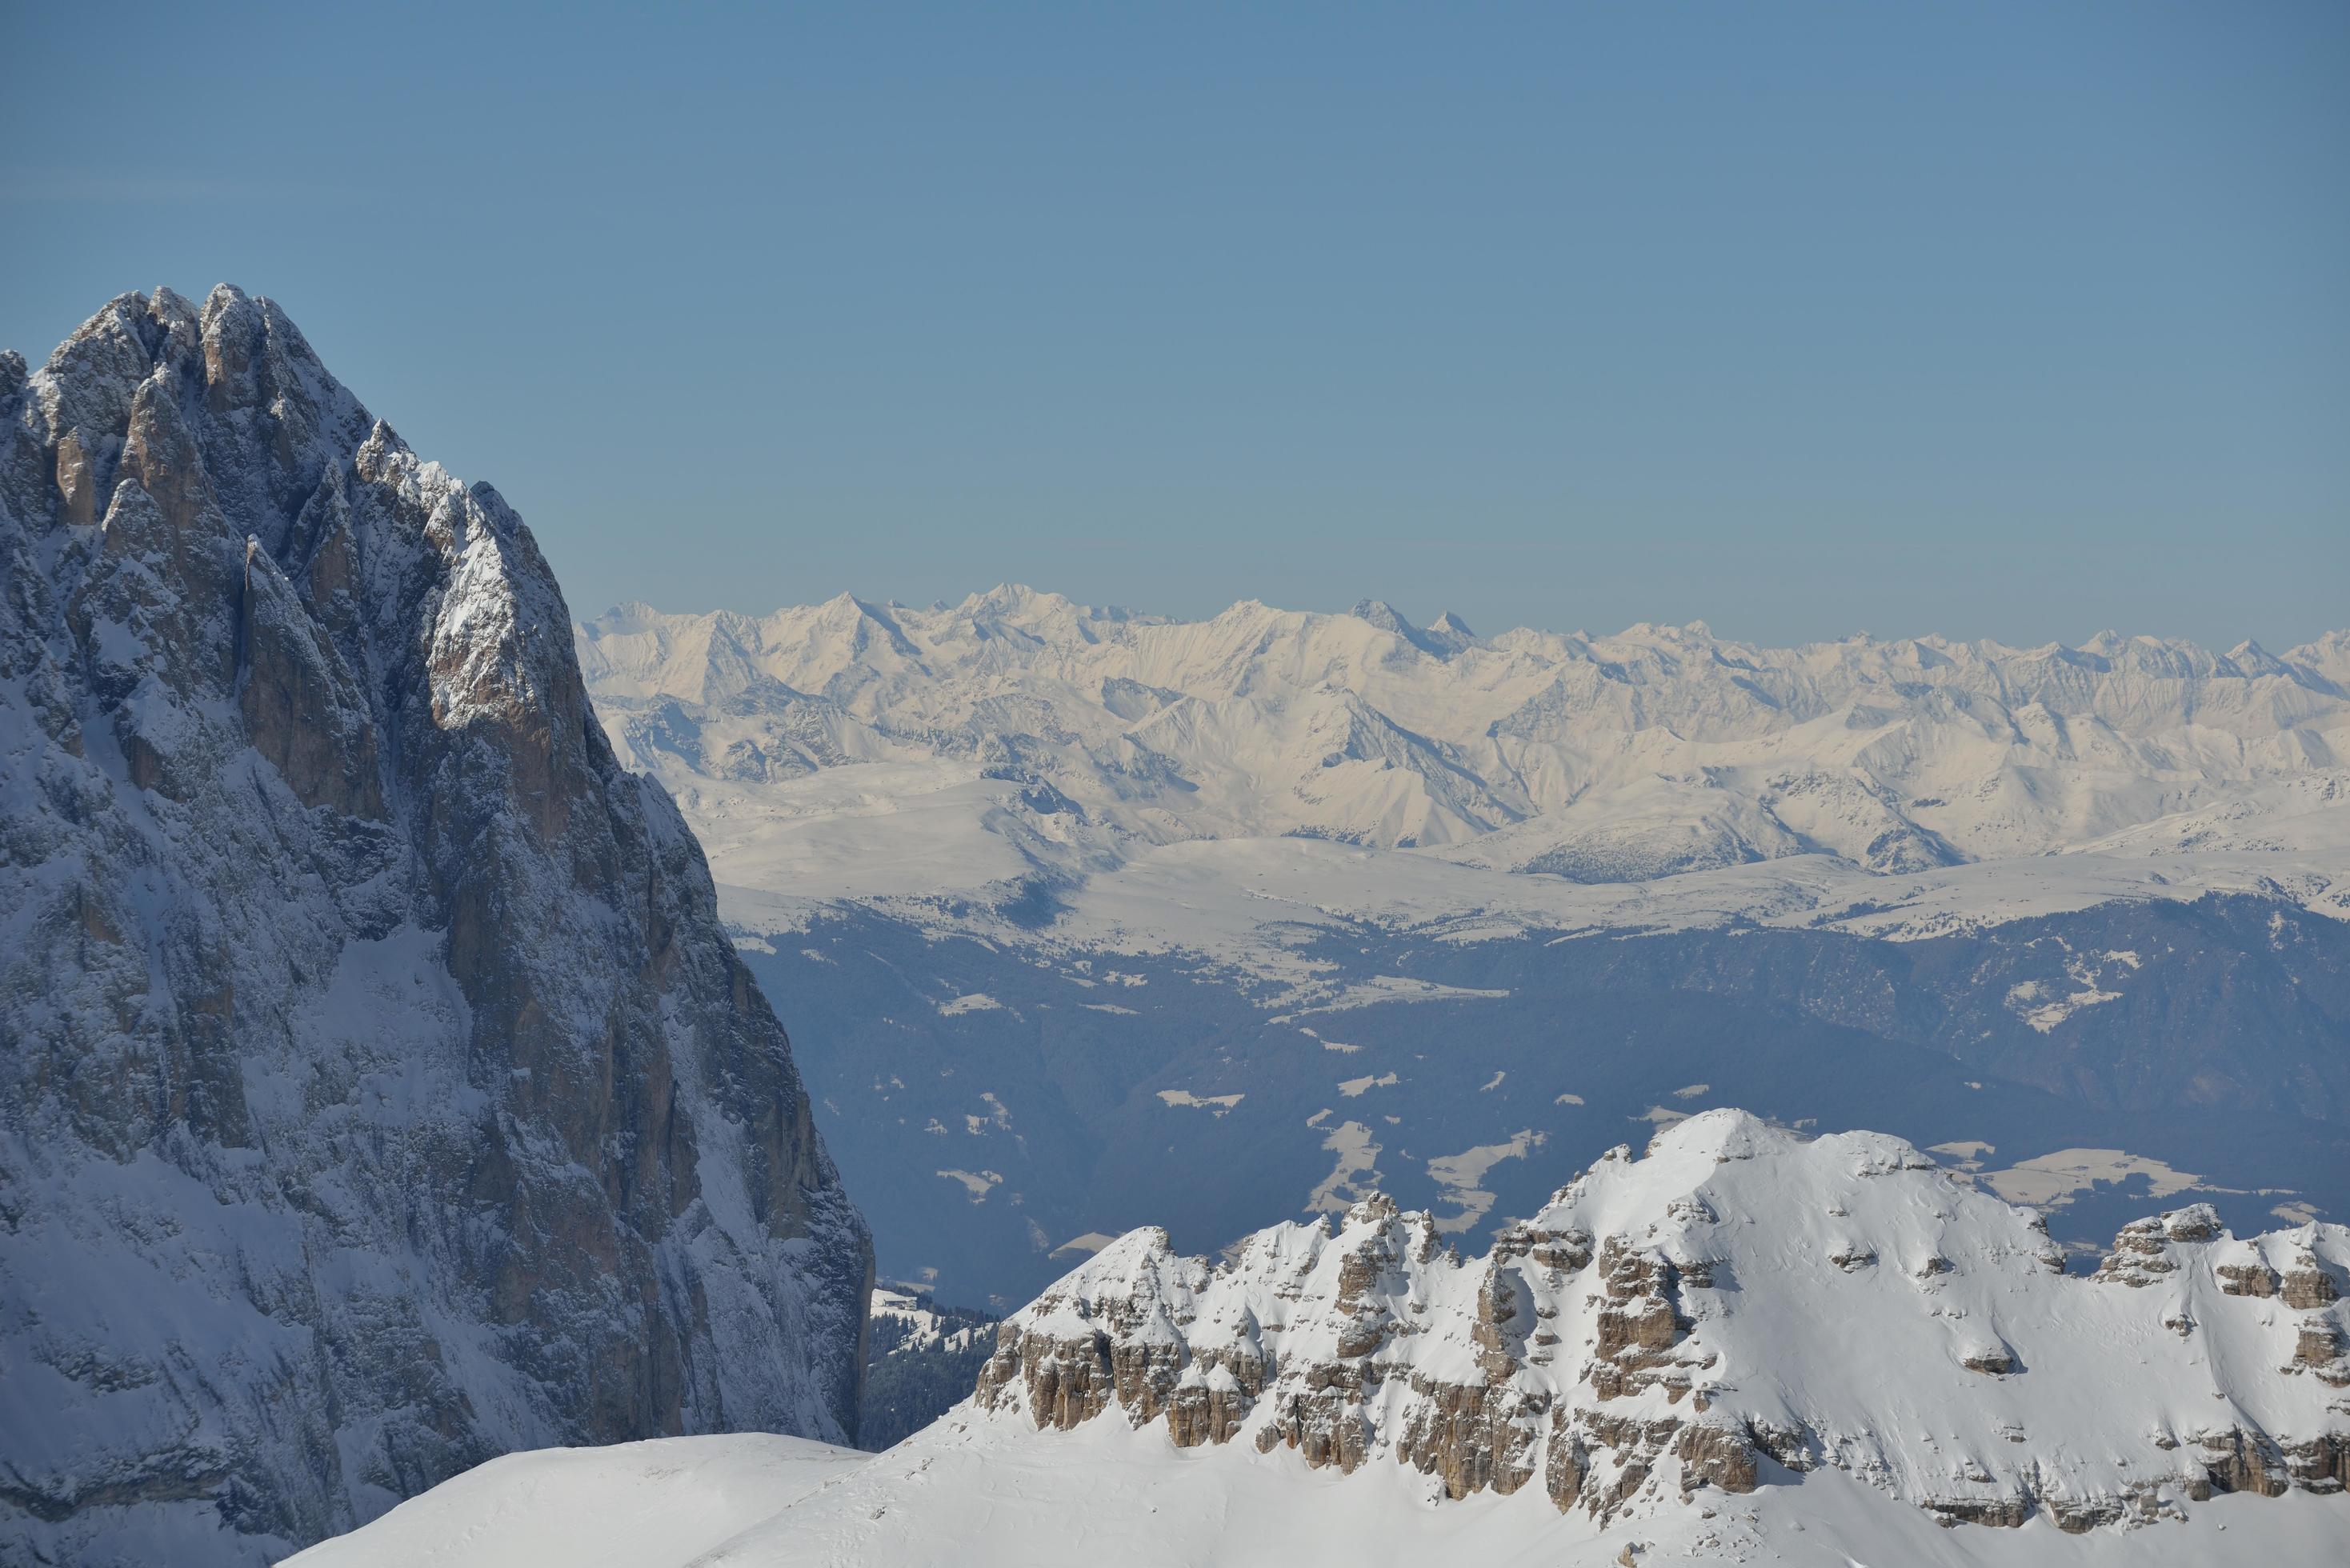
{"x":2306,"y":1283}
{"x":1740,"y":1304}
{"x":378,"y":1090}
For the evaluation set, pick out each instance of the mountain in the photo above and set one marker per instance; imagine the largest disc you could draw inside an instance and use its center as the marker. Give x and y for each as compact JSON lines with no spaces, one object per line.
{"x":1019,"y":739}
{"x":381,"y":1092}
{"x":1840,"y":1301}
{"x":1089,"y":919}
{"x":1745,"y":1345}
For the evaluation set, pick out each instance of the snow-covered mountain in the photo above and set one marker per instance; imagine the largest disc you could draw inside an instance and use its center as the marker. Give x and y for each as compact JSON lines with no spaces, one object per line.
{"x":1018,"y":742}
{"x":1744,"y":1346}
{"x":1089,"y":919}
{"x":379,"y":1092}
{"x":1843,"y":1301}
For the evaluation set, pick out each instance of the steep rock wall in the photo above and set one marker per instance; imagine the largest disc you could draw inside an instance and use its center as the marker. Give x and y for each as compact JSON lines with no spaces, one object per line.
{"x":378,"y":1090}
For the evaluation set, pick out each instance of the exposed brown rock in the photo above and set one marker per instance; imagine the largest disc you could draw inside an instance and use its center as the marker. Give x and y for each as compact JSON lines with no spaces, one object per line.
{"x":1566,"y":1464}
{"x":1201,"y":1413}
{"x":1564,"y":1251}
{"x":2307,"y":1284}
{"x":2007,"y":1512}
{"x":1718,"y":1455}
{"x":2236,"y":1460}
{"x":2319,"y":1464}
{"x":1325,"y":1427}
{"x":1067,"y":1380}
{"x":2139,"y":1255}
{"x":2252,"y":1279}
{"x":77,"y":482}
{"x":1472,"y":1435}
{"x":2078,"y":1516}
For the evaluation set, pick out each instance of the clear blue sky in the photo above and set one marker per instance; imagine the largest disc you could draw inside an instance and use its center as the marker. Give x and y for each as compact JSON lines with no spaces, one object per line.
{"x":2014,"y":320}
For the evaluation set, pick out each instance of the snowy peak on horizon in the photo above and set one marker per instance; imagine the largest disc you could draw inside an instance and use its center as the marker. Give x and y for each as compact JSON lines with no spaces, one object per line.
{"x":1036,"y":737}
{"x":2324,"y":660}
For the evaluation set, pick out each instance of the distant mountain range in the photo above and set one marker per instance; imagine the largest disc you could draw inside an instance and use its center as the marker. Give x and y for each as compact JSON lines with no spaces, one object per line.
{"x":1019,"y":745}
{"x":1088,"y":919}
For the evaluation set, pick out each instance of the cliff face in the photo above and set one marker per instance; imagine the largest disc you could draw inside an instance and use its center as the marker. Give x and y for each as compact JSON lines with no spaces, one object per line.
{"x":379,"y":1092}
{"x":1739,"y":1305}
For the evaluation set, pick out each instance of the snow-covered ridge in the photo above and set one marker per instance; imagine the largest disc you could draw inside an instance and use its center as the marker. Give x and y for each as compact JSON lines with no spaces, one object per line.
{"x":878,"y":753}
{"x":1742,"y":1348}
{"x":1737,"y":1305}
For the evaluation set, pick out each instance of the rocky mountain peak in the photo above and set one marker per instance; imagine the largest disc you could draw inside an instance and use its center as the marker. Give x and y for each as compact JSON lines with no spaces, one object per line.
{"x":1737,"y":1304}
{"x":383,"y":1092}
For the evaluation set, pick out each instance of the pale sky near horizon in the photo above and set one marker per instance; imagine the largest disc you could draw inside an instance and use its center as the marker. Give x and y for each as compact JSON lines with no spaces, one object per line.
{"x":2012,"y":320}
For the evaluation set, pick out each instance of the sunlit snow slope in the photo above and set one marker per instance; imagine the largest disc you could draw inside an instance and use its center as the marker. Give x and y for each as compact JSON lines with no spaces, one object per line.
{"x":1745,"y":1346}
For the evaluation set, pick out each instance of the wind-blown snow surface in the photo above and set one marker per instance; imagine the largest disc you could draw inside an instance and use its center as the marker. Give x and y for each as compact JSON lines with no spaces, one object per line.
{"x":980,"y":1496}
{"x":666,"y":1501}
{"x":1744,"y":1346}
{"x":1018,"y":741}
{"x":378,"y":1090}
